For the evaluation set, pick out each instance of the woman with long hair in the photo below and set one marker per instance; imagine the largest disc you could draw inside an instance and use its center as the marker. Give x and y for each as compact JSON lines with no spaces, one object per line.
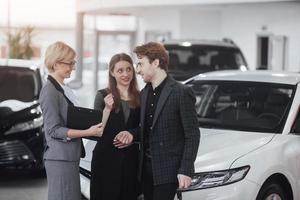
{"x":114,"y":170}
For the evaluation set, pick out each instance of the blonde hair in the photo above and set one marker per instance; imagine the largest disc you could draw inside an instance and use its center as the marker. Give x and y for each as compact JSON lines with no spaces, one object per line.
{"x":58,"y":52}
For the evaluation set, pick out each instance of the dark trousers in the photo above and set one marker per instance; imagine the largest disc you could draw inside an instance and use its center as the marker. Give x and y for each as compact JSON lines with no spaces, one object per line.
{"x":155,"y":192}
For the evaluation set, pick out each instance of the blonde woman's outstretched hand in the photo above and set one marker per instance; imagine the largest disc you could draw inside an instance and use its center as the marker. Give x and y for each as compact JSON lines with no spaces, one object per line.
{"x":95,"y":130}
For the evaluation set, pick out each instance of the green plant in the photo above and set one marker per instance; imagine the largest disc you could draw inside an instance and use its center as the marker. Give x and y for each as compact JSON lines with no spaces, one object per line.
{"x":20,"y":43}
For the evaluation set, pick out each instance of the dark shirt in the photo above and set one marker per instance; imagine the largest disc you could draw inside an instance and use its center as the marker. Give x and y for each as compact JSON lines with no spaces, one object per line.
{"x":151,"y":104}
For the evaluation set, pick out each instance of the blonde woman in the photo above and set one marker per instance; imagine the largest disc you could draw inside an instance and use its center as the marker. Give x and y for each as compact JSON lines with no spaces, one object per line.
{"x":63,"y":150}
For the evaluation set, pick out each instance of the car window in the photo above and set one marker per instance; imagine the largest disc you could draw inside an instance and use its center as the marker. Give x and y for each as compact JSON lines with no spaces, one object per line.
{"x":18,"y":84}
{"x":242,"y":105}
{"x":186,"y":62}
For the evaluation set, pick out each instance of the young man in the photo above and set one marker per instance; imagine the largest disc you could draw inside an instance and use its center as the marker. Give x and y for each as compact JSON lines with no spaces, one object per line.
{"x":168,"y":133}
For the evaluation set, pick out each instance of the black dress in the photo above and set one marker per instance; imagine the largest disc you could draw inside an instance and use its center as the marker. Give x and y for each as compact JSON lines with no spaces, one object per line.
{"x":114,"y":171}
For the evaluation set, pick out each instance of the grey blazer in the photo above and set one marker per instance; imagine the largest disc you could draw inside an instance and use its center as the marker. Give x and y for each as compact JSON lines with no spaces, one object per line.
{"x":54,"y":108}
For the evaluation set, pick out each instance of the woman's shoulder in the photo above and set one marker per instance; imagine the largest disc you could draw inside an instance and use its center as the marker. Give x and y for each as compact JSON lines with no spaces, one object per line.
{"x":103,"y":92}
{"x":99,"y":99}
{"x":48,"y":88}
{"x":49,"y":92}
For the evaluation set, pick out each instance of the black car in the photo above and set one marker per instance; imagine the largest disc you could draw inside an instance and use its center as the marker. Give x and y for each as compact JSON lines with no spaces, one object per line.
{"x":191,"y":57}
{"x":21,"y":132}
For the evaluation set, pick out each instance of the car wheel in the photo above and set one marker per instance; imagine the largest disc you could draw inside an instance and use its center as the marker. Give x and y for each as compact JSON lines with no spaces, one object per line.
{"x":271,"y":191}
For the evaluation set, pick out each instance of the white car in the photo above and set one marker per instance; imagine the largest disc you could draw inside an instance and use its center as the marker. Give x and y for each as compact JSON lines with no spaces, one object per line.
{"x":250,"y":137}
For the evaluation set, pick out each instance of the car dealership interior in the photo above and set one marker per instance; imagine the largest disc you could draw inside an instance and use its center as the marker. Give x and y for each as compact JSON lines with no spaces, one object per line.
{"x":240,"y":57}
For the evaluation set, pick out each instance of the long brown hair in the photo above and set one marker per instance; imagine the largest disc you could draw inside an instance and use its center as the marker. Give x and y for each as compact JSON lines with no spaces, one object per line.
{"x":134,"y":93}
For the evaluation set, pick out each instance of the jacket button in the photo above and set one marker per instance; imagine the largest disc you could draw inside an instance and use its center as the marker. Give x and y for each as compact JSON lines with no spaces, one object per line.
{"x":161,"y":143}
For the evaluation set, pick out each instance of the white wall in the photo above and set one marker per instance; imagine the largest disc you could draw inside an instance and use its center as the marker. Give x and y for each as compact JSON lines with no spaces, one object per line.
{"x":90,"y":5}
{"x":280,"y":19}
{"x":45,"y":37}
{"x":41,"y":13}
{"x":240,"y":22}
{"x":160,"y":19}
{"x":200,"y":23}
{"x":243,"y":22}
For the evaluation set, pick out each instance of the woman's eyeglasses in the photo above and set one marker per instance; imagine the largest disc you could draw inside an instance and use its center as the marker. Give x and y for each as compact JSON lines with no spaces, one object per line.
{"x":72,"y":63}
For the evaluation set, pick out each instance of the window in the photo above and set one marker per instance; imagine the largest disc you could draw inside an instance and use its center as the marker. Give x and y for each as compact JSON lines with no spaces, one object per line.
{"x":242,"y":105}
{"x":18,"y":84}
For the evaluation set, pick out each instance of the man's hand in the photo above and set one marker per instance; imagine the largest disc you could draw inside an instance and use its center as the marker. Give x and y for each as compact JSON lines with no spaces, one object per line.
{"x":123,"y":139}
{"x":183,"y":181}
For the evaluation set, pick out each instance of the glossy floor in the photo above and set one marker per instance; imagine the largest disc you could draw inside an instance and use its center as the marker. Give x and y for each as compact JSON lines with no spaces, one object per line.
{"x":22,"y":185}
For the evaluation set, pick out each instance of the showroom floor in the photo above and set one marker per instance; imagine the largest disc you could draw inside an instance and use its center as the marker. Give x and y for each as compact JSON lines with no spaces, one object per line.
{"x":22,"y":185}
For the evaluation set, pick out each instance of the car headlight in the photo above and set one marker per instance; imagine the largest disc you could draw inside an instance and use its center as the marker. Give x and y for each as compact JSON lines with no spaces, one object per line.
{"x":218,"y":178}
{"x":28,"y":125}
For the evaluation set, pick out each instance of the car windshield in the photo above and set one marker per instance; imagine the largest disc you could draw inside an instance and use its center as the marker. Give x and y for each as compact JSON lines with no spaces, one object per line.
{"x":246,"y":106}
{"x":18,"y":84}
{"x":185,"y":62}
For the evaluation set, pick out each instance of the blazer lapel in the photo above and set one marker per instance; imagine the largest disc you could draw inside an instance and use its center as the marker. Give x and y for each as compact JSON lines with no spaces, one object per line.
{"x":163,"y":98}
{"x":144,"y":95}
{"x":59,"y":88}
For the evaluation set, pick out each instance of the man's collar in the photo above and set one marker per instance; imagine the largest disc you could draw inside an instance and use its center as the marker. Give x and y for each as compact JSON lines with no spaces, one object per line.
{"x":161,"y":85}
